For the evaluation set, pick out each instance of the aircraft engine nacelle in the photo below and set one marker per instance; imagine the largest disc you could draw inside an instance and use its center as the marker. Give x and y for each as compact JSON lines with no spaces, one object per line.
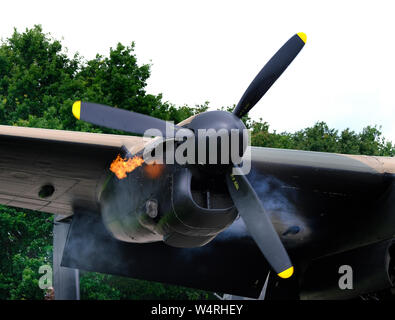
{"x":351,"y":274}
{"x":169,"y":203}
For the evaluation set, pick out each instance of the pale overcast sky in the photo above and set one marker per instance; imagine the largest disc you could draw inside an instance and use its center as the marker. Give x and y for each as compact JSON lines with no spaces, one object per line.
{"x":211,"y":50}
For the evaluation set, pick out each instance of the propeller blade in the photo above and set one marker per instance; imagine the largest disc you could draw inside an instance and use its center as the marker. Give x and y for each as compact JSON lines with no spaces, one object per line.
{"x":121,"y":119}
{"x":270,"y":73}
{"x":258,"y":224}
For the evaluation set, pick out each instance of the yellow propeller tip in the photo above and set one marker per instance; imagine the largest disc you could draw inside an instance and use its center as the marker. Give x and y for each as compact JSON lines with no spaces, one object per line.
{"x":77,"y":109}
{"x":286,"y":273}
{"x":302,"y":36}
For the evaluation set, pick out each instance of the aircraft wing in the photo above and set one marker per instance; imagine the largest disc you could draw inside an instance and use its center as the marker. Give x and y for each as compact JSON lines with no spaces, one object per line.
{"x":72,"y":162}
{"x":313,"y":196}
{"x":75,"y":164}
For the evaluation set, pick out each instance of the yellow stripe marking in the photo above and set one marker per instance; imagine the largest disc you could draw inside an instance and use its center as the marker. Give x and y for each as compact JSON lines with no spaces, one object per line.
{"x":77,"y":109}
{"x":286,"y":273}
{"x":302,"y":36}
{"x":233,"y":178}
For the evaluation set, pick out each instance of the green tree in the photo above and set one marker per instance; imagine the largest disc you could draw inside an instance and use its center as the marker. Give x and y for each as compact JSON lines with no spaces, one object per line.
{"x":321,"y":138}
{"x":25,"y":245}
{"x":96,"y":286}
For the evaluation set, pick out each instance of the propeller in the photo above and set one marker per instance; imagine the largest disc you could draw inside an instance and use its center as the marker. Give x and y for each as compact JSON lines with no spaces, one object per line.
{"x":242,"y":193}
{"x":124,"y":120}
{"x":258,"y":223}
{"x":270,"y":73}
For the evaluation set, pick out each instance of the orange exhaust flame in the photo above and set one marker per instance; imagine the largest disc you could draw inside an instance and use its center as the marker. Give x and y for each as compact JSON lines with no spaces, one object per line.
{"x":154,"y":170}
{"x":120,"y":166}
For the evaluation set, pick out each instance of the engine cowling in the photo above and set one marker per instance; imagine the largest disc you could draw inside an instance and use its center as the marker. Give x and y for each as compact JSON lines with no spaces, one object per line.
{"x":179,"y":205}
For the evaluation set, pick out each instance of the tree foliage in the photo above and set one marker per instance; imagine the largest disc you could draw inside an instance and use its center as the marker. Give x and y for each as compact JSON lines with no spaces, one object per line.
{"x":39,"y":81}
{"x":96,"y":286}
{"x":25,"y":245}
{"x":324,"y":139}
